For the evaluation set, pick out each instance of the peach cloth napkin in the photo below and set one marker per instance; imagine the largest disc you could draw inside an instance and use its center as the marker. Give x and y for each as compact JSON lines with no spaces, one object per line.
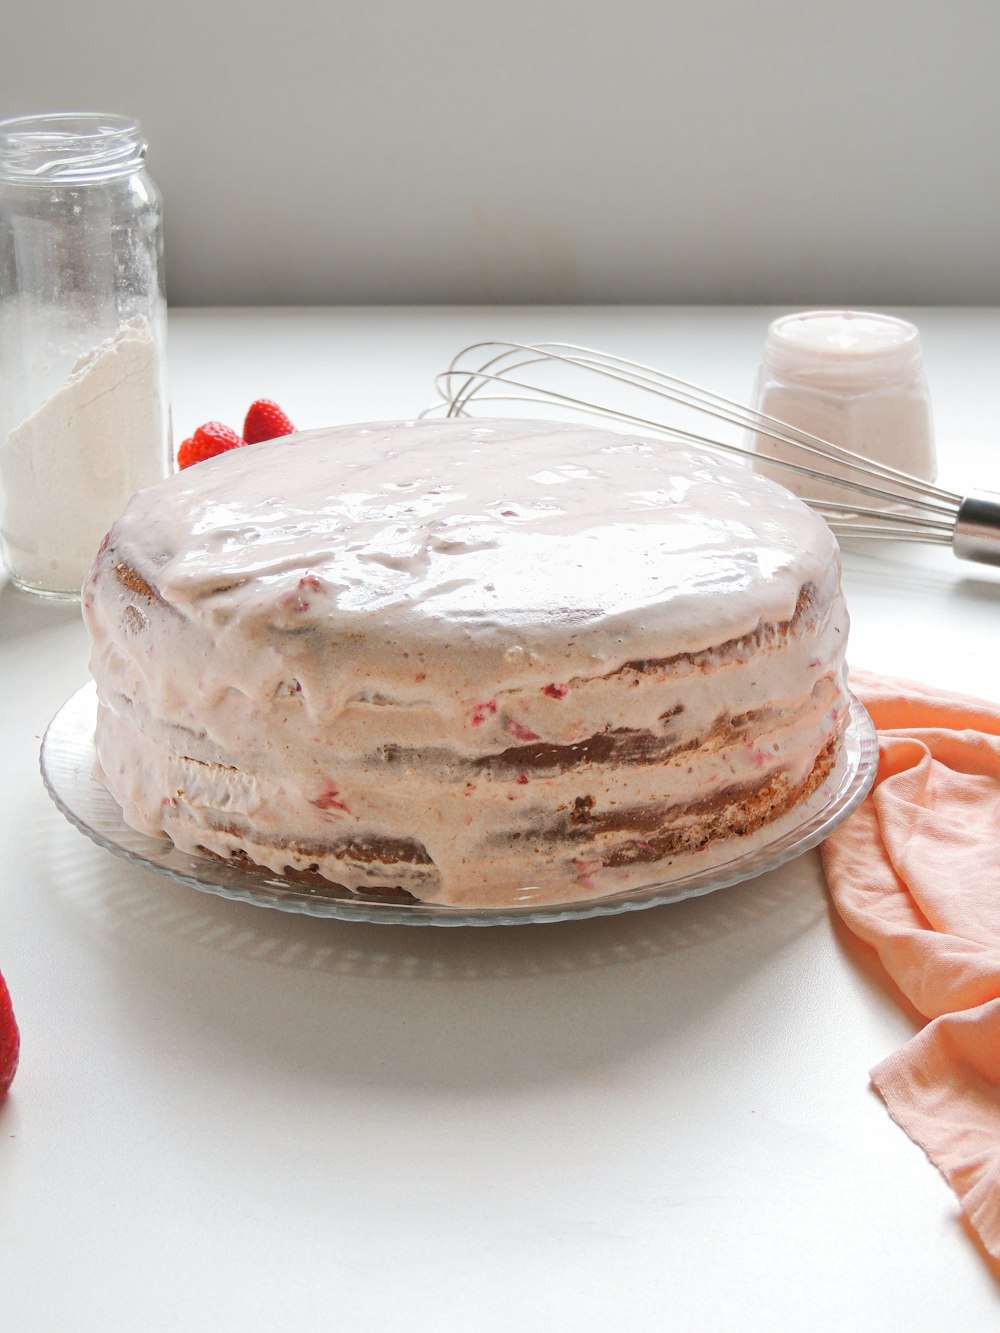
{"x":915,"y":872}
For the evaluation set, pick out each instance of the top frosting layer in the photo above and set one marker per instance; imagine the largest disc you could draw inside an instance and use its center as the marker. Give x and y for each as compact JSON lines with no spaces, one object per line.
{"x":523,"y":544}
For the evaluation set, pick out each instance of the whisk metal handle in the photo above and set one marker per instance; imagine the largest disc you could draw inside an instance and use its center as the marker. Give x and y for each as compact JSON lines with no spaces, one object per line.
{"x":977,"y":529}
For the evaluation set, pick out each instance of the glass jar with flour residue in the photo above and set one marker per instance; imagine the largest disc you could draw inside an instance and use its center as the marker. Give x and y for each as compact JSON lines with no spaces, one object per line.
{"x":84,"y":417}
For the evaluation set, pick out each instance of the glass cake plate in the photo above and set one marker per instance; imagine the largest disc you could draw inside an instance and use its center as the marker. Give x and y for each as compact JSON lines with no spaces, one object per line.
{"x":67,"y":761}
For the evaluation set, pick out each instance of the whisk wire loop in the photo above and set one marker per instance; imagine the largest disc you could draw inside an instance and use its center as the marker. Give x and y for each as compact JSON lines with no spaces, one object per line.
{"x":906,"y":508}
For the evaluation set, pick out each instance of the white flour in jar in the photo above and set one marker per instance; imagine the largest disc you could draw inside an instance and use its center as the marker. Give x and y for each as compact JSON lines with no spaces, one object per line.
{"x":67,"y":471}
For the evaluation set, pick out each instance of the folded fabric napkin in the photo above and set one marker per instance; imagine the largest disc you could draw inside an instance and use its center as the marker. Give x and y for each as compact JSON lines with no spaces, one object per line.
{"x":915,"y":872}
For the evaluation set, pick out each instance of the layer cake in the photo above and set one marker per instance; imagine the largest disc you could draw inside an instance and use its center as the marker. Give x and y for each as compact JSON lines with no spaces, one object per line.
{"x":479,"y":663}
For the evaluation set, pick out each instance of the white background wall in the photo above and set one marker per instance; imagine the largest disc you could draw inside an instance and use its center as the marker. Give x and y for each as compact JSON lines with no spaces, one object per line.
{"x":781,"y":151}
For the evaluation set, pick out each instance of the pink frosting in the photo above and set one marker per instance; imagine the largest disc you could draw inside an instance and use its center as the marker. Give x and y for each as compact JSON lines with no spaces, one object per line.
{"x":451,"y":589}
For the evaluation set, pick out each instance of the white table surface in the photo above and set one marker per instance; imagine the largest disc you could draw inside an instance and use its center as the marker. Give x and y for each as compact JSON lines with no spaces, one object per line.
{"x":230,"y":1118}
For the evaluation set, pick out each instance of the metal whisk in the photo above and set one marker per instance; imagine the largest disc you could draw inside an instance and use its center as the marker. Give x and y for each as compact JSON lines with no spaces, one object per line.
{"x":509,"y":372}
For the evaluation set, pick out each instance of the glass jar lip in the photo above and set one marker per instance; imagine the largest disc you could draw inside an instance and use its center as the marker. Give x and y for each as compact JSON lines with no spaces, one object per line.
{"x":70,"y":147}
{"x":849,"y":347}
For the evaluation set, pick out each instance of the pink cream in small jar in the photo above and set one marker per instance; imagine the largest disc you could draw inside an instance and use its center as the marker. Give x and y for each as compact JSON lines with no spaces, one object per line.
{"x":853,"y":379}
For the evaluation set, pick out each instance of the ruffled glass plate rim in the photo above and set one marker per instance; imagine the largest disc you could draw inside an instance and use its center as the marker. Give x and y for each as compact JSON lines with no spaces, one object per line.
{"x":67,"y":760}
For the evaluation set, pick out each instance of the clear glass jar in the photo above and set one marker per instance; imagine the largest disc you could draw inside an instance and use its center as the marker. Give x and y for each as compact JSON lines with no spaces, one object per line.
{"x":852,"y":378}
{"x":84,"y":413}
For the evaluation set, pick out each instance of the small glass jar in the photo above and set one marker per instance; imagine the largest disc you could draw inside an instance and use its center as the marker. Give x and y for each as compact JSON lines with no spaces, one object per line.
{"x":84,"y":413}
{"x":854,"y":379}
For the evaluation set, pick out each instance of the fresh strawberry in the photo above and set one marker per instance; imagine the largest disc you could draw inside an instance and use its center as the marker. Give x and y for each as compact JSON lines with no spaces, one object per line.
{"x":207,"y":441}
{"x":265,"y":421}
{"x":10,"y":1040}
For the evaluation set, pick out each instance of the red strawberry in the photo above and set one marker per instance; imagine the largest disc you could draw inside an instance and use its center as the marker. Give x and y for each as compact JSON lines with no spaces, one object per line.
{"x":207,"y":441}
{"x":265,"y":421}
{"x":10,"y":1040}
